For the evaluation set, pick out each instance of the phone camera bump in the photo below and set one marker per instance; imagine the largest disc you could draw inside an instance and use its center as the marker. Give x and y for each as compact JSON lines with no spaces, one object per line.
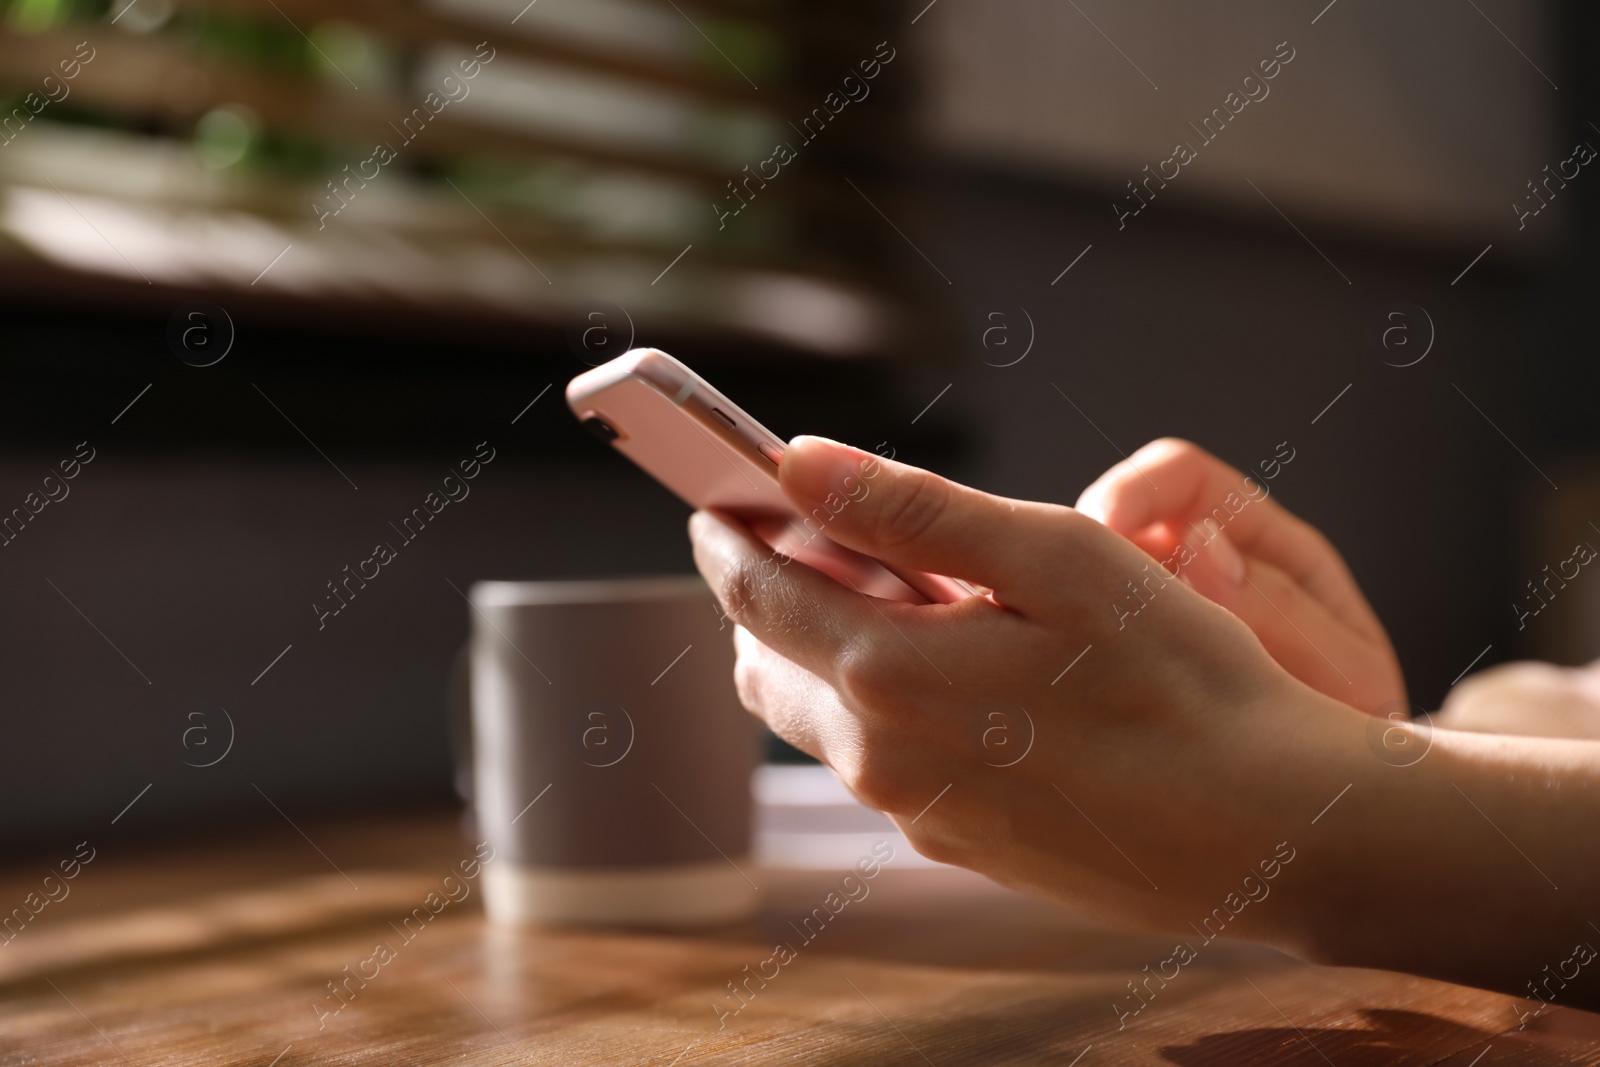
{"x":601,"y":428}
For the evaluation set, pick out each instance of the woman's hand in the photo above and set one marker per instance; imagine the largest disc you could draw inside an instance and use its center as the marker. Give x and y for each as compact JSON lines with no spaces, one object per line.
{"x":1166,"y":750}
{"x":1159,"y":770}
{"x":1224,"y":536}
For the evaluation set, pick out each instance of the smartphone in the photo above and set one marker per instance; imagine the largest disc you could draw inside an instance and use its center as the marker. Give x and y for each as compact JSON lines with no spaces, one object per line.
{"x":704,"y":448}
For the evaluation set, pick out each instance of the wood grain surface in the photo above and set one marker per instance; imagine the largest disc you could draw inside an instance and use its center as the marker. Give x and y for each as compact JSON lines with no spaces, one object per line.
{"x":222,"y":951}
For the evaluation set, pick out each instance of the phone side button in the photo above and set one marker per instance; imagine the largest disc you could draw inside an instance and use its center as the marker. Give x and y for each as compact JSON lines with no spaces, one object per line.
{"x":771,"y":451}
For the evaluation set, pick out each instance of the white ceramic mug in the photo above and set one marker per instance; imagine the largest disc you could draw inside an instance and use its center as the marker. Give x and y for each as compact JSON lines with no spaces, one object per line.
{"x":611,"y":761}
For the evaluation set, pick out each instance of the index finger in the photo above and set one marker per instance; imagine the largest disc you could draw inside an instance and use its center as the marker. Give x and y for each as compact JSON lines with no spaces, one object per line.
{"x":1198,"y":495}
{"x":800,"y":613}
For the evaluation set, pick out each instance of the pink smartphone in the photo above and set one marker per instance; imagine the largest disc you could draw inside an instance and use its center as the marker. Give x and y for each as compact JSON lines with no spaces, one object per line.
{"x":703,"y":447}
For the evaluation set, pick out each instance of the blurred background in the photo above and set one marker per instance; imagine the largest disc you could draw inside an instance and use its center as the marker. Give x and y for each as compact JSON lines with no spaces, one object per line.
{"x":270,"y":269}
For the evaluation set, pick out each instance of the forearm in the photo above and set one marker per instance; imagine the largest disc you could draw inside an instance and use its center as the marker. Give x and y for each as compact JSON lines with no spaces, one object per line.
{"x":1479,"y":864}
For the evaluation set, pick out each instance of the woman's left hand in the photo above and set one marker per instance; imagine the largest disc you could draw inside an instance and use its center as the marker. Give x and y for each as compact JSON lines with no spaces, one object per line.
{"x":1222,"y":533}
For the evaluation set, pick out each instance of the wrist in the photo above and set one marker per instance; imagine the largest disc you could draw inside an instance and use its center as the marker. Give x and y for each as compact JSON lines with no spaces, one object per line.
{"x":1324,"y":797}
{"x":1295,"y":759}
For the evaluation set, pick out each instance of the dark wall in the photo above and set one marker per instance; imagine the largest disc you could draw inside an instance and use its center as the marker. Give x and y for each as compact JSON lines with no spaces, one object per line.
{"x":1432,"y":479}
{"x":1238,"y":336}
{"x":190,"y":550}
{"x":206,"y":526}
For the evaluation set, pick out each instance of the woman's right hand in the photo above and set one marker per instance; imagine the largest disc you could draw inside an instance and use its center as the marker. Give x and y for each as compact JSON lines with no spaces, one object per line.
{"x":1145,"y":769}
{"x":1277,"y":573}
{"x":1162,"y":772}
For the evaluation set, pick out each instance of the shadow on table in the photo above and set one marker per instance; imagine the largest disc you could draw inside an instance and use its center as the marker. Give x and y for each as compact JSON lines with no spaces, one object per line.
{"x":1390,"y":1036}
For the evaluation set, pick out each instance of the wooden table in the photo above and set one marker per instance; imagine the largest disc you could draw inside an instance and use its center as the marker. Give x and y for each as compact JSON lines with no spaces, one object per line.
{"x":216,"y":953}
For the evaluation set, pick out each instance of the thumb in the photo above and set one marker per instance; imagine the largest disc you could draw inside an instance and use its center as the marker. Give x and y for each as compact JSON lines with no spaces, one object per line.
{"x":910,"y":518}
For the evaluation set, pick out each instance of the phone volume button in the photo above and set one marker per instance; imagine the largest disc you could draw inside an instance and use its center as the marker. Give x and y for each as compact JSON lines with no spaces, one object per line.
{"x":771,"y":451}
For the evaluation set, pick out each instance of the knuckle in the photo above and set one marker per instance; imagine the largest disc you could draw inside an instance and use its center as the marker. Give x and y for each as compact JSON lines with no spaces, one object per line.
{"x":739,"y":592}
{"x":1173,"y":446}
{"x":940,"y":848}
{"x":1168,"y":453}
{"x":911,"y":510}
{"x":1325,"y":546}
{"x":747,"y":683}
{"x":865,"y":680}
{"x":880,"y":781}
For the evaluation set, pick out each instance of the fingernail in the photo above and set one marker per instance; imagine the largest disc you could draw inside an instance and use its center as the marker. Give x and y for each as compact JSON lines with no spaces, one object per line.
{"x":816,"y":467}
{"x":1227,"y":558}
